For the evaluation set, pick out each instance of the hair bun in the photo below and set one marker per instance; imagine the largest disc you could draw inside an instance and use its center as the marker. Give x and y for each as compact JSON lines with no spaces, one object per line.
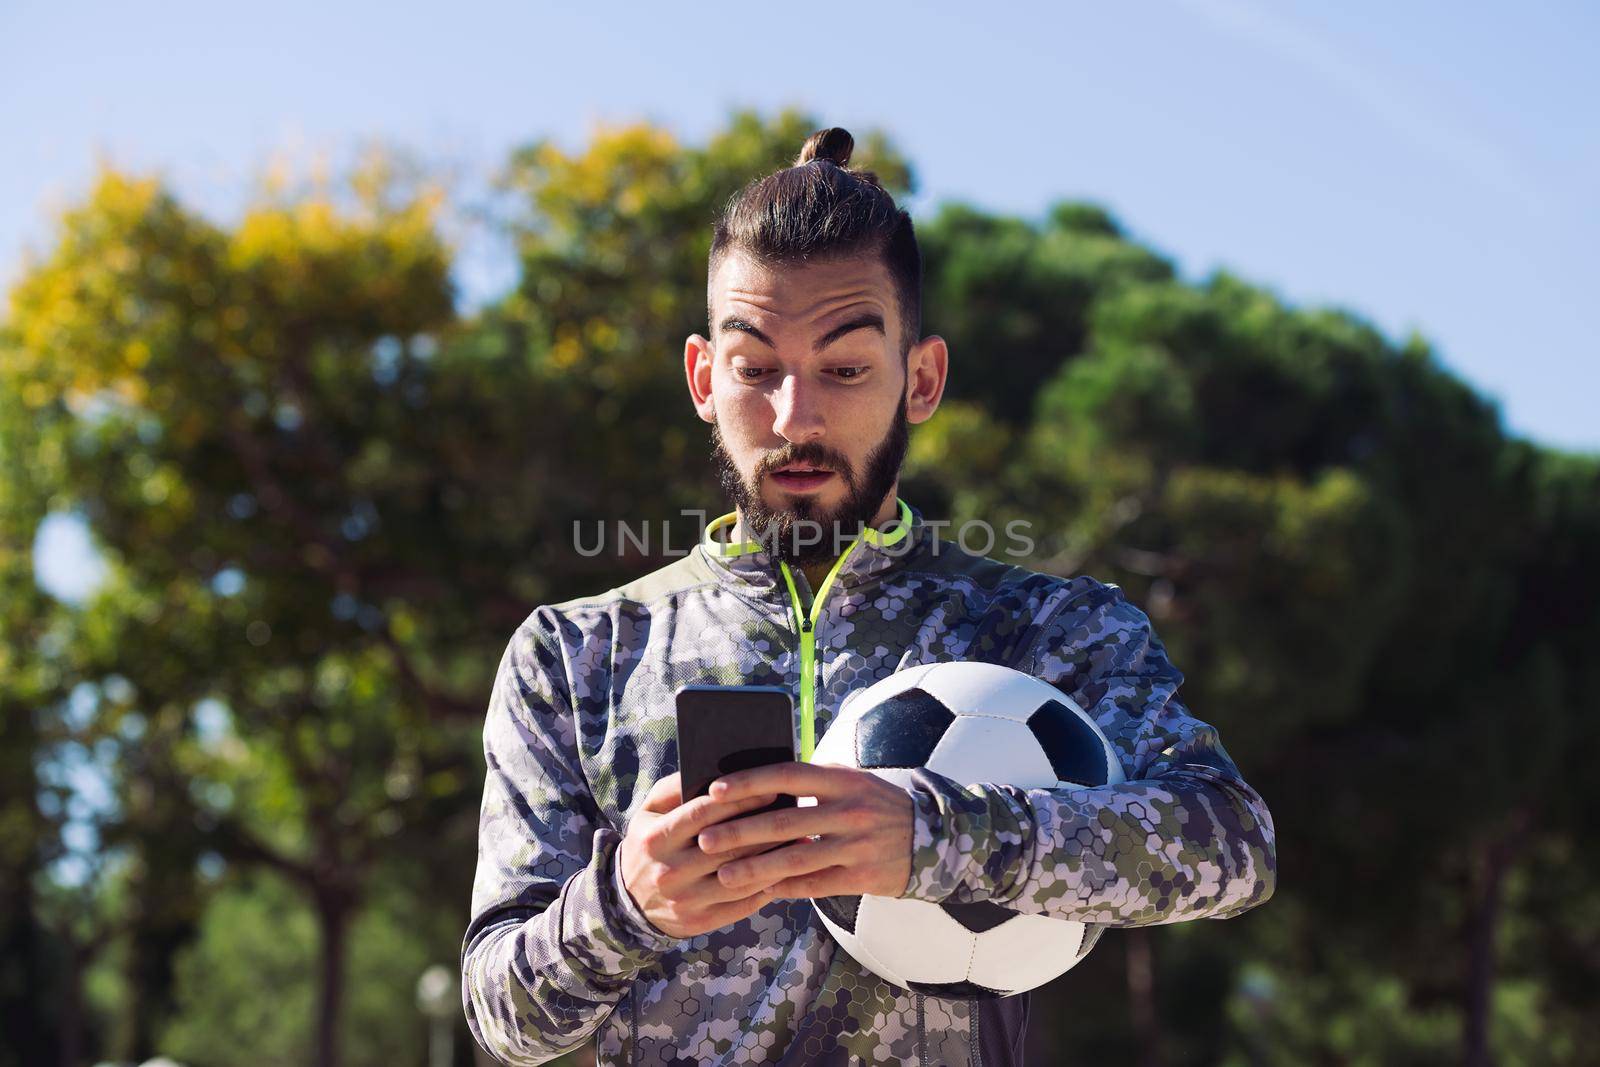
{"x":833,"y":144}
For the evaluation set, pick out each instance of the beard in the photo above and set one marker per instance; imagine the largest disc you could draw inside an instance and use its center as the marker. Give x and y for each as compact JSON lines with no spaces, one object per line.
{"x":805,"y":532}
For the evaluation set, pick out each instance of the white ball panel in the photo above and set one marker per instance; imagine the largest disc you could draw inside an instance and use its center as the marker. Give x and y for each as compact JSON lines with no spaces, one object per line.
{"x":884,"y":688}
{"x":900,"y":776}
{"x":988,"y":689}
{"x":858,"y":951}
{"x":908,"y":938}
{"x":916,"y":939}
{"x":837,"y":744}
{"x":1114,"y":775}
{"x":1025,"y":952}
{"x":982,"y":749}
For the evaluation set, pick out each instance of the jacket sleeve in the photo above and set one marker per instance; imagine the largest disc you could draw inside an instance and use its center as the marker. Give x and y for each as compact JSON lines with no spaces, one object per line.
{"x":554,"y":939}
{"x":1183,"y":838}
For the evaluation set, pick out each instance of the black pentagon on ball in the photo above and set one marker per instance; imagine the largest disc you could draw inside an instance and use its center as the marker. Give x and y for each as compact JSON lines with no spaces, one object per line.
{"x":902,"y":730}
{"x":979,"y":916}
{"x":956,"y":990}
{"x":842,"y":910}
{"x":1072,"y":746}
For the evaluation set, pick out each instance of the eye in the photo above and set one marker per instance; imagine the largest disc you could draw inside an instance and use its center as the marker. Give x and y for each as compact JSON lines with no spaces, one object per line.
{"x":849,"y":373}
{"x":754,"y":373}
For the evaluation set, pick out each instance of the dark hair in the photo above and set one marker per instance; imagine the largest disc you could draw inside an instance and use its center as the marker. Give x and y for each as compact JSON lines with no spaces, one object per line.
{"x":820,"y":210}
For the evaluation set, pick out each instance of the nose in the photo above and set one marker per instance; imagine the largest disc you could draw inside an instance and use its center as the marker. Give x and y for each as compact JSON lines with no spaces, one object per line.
{"x":797,"y":410}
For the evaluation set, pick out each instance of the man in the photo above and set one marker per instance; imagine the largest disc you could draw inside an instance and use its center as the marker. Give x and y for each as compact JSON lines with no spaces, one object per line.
{"x":678,"y":932}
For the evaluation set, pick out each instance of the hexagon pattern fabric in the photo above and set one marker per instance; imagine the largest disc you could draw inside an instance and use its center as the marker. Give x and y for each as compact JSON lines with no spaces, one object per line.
{"x":580,"y":724}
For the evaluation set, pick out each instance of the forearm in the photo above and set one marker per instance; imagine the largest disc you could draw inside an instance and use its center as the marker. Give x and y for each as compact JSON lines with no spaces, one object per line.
{"x":538,"y":985}
{"x":1182,"y":846}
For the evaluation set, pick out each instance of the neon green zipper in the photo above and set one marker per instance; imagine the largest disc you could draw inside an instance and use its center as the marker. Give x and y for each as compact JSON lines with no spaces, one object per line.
{"x":807,"y":625}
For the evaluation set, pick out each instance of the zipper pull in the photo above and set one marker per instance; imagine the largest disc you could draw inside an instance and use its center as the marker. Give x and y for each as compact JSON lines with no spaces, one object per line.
{"x":805,"y":626}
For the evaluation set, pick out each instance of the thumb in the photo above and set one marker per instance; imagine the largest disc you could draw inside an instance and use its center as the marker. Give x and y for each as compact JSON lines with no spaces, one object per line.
{"x":665,"y":795}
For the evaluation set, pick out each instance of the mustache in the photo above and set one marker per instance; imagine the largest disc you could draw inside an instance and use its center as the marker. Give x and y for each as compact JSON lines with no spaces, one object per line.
{"x":816,"y":456}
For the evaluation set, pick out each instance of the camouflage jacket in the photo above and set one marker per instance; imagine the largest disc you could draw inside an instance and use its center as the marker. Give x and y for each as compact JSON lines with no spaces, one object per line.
{"x":581,"y":723}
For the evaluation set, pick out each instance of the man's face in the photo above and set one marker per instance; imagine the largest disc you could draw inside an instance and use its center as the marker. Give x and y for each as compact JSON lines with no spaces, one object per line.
{"x":803,"y":370}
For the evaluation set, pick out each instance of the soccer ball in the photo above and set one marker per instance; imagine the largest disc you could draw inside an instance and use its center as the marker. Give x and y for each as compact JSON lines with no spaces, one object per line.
{"x":972,"y":722}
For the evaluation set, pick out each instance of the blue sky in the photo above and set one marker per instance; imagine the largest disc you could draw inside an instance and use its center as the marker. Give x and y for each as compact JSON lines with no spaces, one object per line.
{"x":1430,"y":166}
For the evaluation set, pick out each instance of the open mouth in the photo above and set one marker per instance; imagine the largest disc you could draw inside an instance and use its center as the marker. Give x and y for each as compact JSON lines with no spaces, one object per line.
{"x":801,"y":477}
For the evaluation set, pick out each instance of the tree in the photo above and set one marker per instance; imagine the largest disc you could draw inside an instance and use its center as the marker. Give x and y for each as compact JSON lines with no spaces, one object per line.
{"x":32,"y":684}
{"x":195,"y":380}
{"x":327,"y":498}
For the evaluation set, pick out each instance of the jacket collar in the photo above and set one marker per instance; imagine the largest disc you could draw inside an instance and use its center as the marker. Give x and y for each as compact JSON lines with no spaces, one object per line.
{"x":868,"y":556}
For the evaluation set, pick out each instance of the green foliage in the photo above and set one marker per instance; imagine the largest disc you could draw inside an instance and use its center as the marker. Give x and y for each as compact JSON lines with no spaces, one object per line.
{"x":1014,"y":300}
{"x":259,"y":936}
{"x":326,"y":498}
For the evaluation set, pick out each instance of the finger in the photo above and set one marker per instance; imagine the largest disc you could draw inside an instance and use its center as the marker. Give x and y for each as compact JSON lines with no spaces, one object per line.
{"x":665,"y":795}
{"x":681,"y":825}
{"x":690,"y":866}
{"x":785,"y":824}
{"x":739,"y":908}
{"x":818,"y":780}
{"x":707,"y":890}
{"x":802,"y":857}
{"x":828,"y":882}
{"x":740,"y":853}
{"x":713,"y":862}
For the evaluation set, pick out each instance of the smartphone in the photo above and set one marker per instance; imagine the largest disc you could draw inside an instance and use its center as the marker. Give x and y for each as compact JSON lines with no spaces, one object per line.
{"x":727,"y":728}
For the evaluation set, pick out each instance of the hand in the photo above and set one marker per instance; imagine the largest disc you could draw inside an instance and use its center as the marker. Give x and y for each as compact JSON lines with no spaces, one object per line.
{"x":857,"y":839}
{"x":672,"y":881}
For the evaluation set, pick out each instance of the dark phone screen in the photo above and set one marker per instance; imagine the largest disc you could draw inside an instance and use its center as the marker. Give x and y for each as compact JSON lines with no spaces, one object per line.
{"x":727,"y":728}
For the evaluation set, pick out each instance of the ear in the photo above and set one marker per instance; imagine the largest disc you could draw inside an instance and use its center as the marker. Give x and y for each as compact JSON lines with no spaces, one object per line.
{"x":697,"y":362}
{"x":926,"y":366}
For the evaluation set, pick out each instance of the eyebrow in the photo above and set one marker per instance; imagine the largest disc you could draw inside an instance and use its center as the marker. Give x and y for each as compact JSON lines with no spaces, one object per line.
{"x":866,"y":320}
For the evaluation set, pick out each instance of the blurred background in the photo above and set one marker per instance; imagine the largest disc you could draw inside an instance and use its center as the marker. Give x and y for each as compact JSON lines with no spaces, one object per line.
{"x":325,"y":325}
